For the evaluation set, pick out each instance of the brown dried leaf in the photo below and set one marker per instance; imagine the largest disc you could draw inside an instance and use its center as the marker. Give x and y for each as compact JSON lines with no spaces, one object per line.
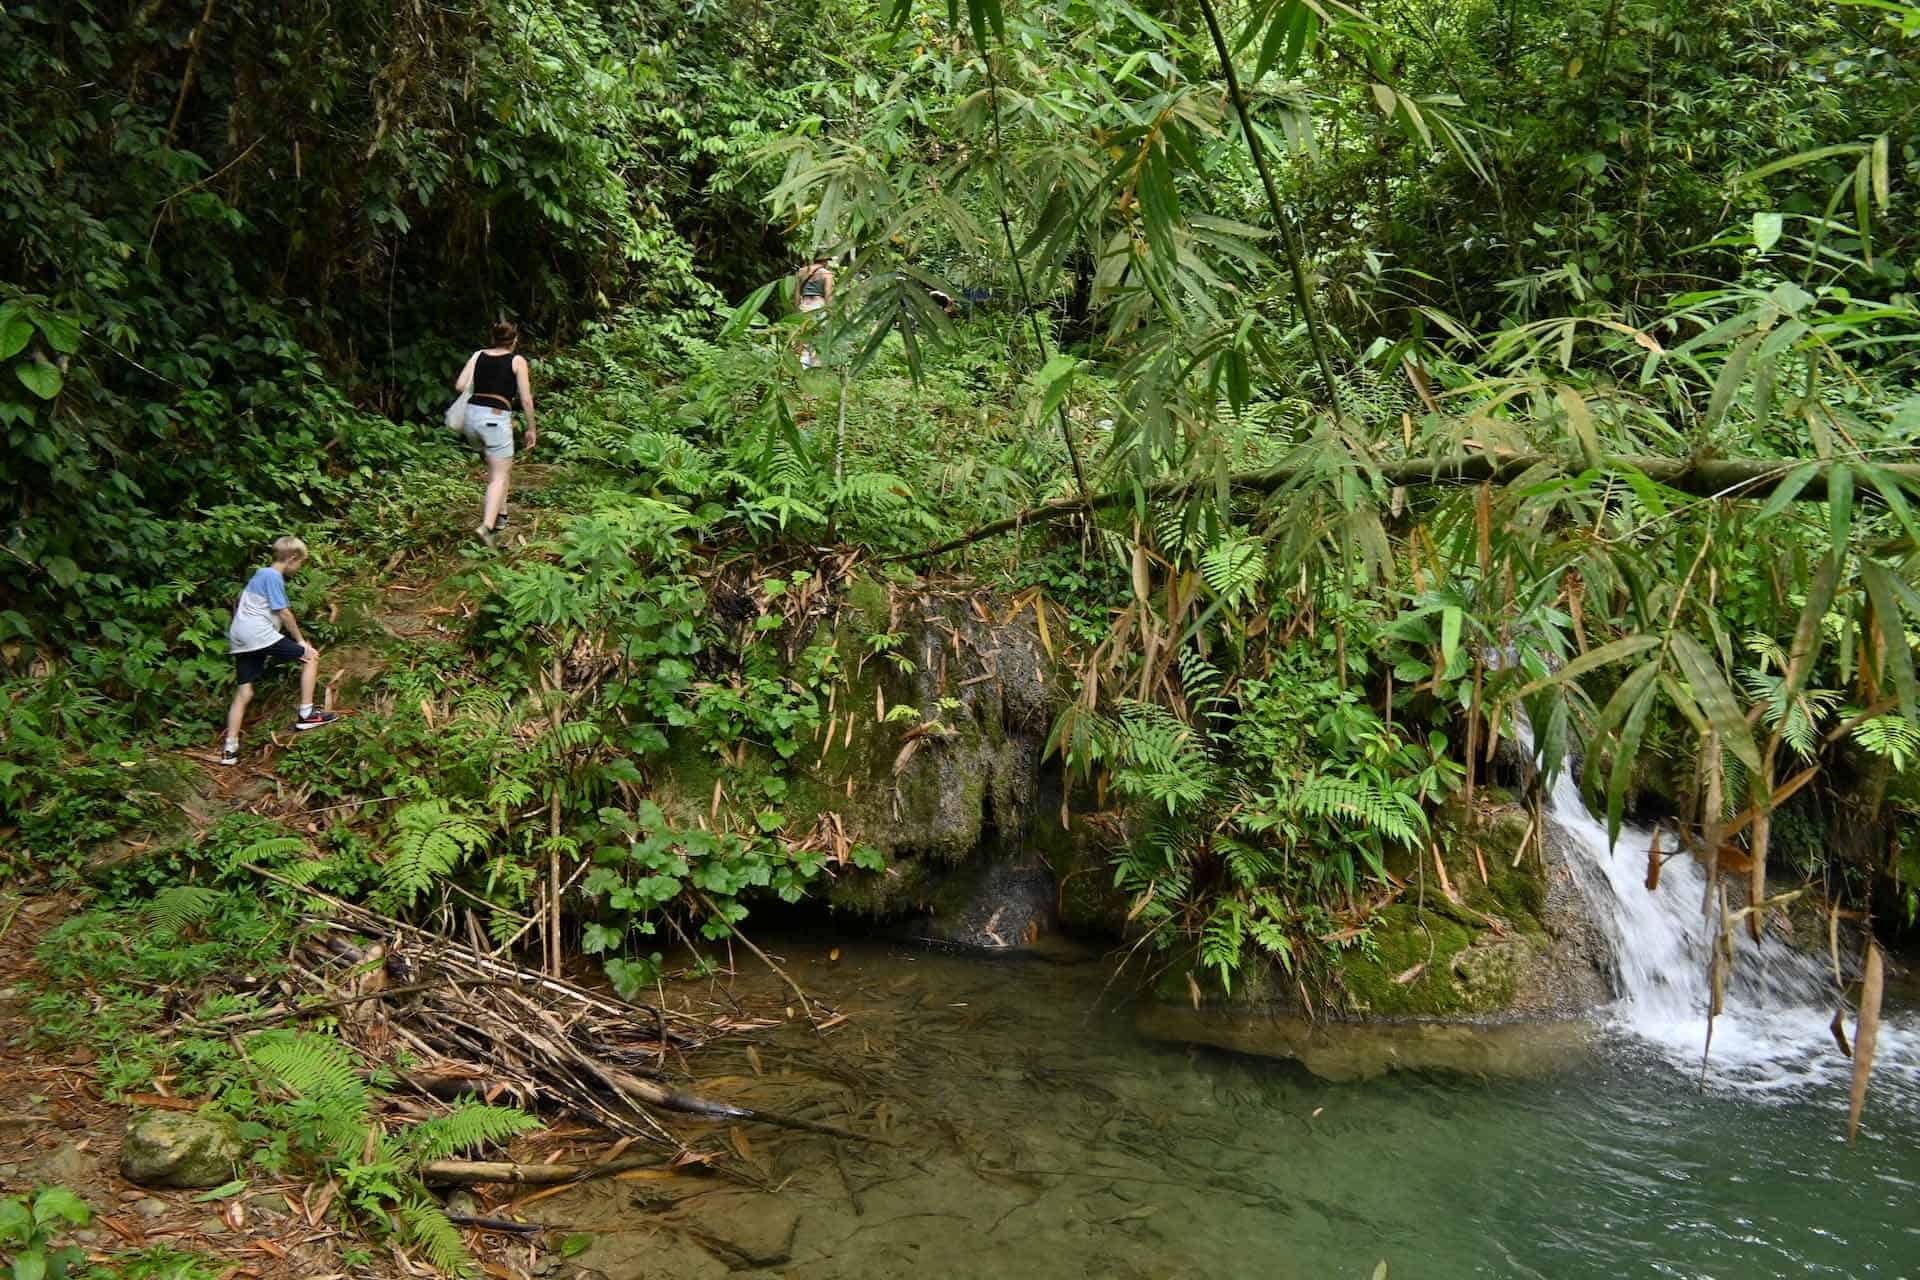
{"x":1409,"y":975}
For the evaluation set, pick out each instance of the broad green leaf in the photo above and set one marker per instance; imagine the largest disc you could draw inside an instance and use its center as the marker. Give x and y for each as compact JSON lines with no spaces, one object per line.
{"x":60,"y":1204}
{"x":1592,"y":660}
{"x":1056,"y":380}
{"x":15,"y":331}
{"x":1631,"y":689}
{"x":40,"y":376}
{"x":1716,"y":699}
{"x":1450,"y":620}
{"x":1580,"y":422}
{"x":743,"y":315}
{"x":62,"y":334}
{"x":1766,"y":231}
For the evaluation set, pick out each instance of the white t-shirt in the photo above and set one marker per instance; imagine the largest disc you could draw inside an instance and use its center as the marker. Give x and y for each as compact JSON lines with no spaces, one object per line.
{"x":255,"y":624}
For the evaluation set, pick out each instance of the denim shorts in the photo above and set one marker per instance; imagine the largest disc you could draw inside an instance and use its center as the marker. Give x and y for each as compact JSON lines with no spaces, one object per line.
{"x":491,"y":429}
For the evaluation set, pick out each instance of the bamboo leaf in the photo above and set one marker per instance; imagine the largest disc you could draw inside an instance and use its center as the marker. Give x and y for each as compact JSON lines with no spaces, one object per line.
{"x":1766,"y":231}
{"x":1716,"y":699}
{"x":1789,"y":489}
{"x":1732,"y":374}
{"x":1623,"y":757}
{"x":1893,"y":634}
{"x":1807,"y":633}
{"x":1840,"y":505}
{"x":1591,"y":660}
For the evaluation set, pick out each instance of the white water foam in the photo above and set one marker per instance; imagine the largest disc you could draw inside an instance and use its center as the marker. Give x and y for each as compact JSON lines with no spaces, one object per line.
{"x":1772,"y":1033}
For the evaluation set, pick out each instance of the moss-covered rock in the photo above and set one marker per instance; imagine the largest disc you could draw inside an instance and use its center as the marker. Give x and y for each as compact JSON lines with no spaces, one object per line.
{"x":180,"y":1149}
{"x":930,"y":753}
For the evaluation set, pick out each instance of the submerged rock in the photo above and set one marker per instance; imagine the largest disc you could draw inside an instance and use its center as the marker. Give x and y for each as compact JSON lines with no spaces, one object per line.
{"x":993,"y":906}
{"x":1345,"y":1051}
{"x":180,"y":1149}
{"x":745,"y":1228}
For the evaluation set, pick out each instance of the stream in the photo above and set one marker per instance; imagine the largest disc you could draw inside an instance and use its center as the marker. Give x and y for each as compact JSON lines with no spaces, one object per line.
{"x":1038,"y":1135}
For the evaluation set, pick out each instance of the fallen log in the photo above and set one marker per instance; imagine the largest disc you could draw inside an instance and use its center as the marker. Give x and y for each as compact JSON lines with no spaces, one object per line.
{"x":1703,"y":477}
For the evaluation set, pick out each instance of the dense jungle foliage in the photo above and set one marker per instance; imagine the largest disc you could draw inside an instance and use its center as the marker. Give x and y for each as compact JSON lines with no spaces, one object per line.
{"x":1370,"y":377}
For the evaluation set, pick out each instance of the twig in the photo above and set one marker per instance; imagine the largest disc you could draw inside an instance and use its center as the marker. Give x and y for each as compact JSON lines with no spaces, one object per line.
{"x":764,"y":959}
{"x":473,"y":1172}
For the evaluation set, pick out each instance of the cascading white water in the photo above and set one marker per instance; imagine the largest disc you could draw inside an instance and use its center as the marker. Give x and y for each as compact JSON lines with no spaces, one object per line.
{"x":1772,"y":1032}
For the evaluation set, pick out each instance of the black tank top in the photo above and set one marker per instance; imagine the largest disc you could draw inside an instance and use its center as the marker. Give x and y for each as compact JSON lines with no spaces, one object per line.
{"x":494,"y":379}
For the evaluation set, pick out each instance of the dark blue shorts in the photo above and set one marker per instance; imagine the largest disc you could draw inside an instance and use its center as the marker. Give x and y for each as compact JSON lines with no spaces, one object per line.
{"x":248,"y":666}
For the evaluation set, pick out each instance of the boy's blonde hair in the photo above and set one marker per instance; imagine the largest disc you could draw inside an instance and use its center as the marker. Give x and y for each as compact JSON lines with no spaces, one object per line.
{"x":289,"y":548}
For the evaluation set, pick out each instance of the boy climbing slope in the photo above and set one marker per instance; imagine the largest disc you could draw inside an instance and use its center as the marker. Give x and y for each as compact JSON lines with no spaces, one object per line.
{"x":254,"y":638}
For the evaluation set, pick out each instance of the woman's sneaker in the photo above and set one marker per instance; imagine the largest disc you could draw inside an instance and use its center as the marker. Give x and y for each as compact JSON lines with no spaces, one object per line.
{"x":484,"y":534}
{"x":313,"y":721}
{"x":229,"y":755}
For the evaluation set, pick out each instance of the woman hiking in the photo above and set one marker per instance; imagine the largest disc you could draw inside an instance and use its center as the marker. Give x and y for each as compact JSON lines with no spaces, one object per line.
{"x":813,"y":290}
{"x":497,"y":382}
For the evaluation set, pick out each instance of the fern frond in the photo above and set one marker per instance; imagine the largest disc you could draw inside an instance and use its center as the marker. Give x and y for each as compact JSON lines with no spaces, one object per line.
{"x":425,"y":1226}
{"x":1222,"y":940}
{"x":432,"y":840}
{"x":1248,"y":864}
{"x":182,"y":906}
{"x":471,"y":1125}
{"x":1395,"y":816}
{"x":1234,"y":568}
{"x":317,"y":1068}
{"x":266,"y":852}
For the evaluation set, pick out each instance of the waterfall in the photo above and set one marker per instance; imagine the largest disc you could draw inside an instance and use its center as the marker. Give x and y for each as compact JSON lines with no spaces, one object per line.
{"x":1772,"y":1032}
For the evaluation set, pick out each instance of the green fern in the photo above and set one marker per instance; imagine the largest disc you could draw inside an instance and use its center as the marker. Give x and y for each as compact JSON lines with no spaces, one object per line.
{"x":181,"y":907}
{"x":267,"y":851}
{"x":431,"y":840}
{"x":1889,"y":737}
{"x":1235,"y":568}
{"x":1247,"y":864}
{"x":1395,"y":816}
{"x":314,"y":1067}
{"x":472,"y":1125}
{"x":425,"y":1226}
{"x":1222,"y":941}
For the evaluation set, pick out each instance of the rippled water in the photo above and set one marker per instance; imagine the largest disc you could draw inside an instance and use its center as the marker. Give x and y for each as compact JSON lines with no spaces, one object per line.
{"x":1038,"y":1136}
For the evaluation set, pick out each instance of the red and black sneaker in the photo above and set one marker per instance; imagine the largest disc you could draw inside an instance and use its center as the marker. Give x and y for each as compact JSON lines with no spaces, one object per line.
{"x":314,"y":720}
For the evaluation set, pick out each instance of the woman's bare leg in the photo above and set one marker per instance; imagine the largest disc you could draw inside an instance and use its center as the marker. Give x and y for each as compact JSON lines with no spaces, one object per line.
{"x":499,"y":472}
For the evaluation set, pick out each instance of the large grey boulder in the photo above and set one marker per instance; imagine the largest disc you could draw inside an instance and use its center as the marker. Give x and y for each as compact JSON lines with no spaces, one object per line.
{"x":180,"y":1149}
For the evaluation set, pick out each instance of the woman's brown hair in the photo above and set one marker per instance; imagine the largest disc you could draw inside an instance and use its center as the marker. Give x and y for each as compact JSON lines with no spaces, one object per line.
{"x":505,"y":334}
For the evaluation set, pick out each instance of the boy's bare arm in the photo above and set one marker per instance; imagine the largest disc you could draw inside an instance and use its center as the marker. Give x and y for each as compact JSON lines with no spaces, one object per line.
{"x":293,"y":629}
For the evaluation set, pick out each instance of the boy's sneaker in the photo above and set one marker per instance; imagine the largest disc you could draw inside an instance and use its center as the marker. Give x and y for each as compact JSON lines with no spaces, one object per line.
{"x":303,"y":723}
{"x":229,"y":755}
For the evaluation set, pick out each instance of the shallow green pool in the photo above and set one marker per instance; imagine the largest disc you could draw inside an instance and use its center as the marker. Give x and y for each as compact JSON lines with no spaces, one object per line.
{"x":1038,"y":1136}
